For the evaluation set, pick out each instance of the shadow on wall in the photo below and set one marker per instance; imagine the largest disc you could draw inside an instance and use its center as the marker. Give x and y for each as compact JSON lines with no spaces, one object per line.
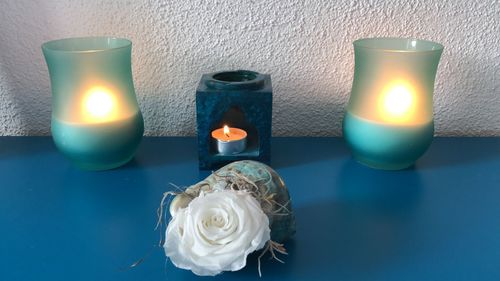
{"x":23,"y":69}
{"x":466,"y":106}
{"x":323,"y":115}
{"x":12,"y":120}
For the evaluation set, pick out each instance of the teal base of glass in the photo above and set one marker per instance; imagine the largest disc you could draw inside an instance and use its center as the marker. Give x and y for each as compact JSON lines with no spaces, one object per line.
{"x":99,"y":146}
{"x":386,"y":147}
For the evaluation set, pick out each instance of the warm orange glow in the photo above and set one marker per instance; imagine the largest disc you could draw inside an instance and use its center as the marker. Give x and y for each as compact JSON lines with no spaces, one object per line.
{"x":397,"y":102}
{"x":228,"y":134}
{"x":99,"y":105}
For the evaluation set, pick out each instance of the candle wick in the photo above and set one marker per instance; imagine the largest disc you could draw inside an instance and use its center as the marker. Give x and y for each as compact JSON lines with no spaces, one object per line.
{"x":226,"y":134}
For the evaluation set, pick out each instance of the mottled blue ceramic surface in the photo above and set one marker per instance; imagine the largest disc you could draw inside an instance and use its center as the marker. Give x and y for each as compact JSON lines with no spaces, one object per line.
{"x":241,"y":99}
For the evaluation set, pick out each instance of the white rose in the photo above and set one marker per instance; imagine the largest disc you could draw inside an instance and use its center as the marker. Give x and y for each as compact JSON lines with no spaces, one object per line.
{"x":216,"y":232}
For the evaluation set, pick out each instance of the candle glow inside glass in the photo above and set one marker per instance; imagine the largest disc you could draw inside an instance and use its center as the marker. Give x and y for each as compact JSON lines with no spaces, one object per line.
{"x":389,"y":120}
{"x":99,"y":105}
{"x":398,"y":103}
{"x":96,"y":121}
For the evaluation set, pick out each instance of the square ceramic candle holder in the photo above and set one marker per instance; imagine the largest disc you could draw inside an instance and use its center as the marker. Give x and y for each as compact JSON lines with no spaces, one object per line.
{"x":241,"y":101}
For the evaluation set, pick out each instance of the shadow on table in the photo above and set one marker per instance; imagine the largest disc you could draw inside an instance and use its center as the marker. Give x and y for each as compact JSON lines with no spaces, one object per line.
{"x":290,"y":152}
{"x":379,"y":189}
{"x":364,"y":226}
{"x":158,"y":152}
{"x":116,"y":189}
{"x":25,"y":146}
{"x":458,"y":151}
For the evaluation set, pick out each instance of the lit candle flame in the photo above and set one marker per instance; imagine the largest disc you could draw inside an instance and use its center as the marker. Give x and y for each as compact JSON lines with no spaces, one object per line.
{"x":398,"y":102}
{"x":226,"y":131}
{"x":99,"y":104}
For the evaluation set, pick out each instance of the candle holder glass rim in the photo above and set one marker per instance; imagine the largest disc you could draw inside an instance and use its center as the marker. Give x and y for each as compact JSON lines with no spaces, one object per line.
{"x":238,"y":79}
{"x":91,"y":44}
{"x":398,"y":45}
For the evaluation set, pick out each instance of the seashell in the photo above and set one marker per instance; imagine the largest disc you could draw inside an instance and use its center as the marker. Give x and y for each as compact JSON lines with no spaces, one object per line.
{"x":180,"y":201}
{"x":260,"y":180}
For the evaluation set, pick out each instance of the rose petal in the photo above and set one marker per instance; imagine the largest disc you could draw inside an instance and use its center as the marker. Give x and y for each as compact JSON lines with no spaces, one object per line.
{"x":216,"y":232}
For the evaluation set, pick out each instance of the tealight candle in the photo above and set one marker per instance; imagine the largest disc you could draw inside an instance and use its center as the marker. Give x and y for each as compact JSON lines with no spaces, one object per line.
{"x":230,"y":140}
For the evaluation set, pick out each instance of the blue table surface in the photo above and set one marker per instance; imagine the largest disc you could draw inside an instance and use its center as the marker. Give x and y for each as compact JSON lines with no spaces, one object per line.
{"x":439,"y":220}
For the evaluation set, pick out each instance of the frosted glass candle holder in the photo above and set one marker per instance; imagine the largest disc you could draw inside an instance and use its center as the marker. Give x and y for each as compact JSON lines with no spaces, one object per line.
{"x":96,"y":121}
{"x":389,"y":120}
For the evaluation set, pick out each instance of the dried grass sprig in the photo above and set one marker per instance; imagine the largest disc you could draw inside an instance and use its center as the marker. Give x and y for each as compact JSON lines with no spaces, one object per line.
{"x":272,"y":246}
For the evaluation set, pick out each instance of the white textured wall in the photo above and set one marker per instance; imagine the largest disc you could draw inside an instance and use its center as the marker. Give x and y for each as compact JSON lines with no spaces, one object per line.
{"x":305,"y":45}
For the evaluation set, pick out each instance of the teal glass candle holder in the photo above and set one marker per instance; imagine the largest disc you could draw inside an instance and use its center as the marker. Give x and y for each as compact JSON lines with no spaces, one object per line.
{"x":389,"y":120}
{"x":96,"y":121}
